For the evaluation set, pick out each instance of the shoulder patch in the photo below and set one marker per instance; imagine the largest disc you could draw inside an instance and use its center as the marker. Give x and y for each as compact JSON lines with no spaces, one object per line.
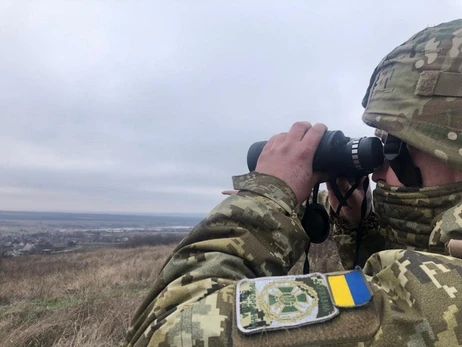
{"x":349,"y":289}
{"x":273,"y":303}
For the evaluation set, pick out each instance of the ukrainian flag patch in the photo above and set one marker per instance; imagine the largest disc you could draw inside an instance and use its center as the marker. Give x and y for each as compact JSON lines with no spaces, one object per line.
{"x":349,"y":289}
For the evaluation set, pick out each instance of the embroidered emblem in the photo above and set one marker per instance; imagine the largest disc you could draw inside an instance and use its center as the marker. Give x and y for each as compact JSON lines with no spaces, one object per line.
{"x":271,"y":303}
{"x":349,"y":289}
{"x":288,"y":300}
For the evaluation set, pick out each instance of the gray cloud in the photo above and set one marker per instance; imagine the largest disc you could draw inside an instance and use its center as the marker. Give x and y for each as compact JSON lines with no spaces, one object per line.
{"x":150,"y":106}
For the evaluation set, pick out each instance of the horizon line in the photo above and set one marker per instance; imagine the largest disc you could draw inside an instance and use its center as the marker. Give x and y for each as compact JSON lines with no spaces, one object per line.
{"x":108,"y":213}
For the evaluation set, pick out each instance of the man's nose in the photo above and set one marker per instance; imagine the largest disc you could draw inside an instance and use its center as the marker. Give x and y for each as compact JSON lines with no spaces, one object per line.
{"x":380,"y":173}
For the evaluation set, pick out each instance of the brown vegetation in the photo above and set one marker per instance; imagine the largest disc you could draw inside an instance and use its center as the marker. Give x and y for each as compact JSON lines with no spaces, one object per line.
{"x":75,"y":299}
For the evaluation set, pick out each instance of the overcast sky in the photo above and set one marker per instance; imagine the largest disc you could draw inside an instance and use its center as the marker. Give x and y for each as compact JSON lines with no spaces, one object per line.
{"x":150,"y":106}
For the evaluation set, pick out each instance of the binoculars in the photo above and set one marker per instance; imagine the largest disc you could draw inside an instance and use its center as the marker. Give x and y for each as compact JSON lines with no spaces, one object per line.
{"x":337,"y":155}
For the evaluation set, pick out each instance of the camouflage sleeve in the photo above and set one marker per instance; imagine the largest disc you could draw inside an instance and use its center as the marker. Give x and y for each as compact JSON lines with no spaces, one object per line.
{"x":418,"y":298}
{"x":344,"y":235}
{"x":447,"y":227}
{"x":254,"y":233}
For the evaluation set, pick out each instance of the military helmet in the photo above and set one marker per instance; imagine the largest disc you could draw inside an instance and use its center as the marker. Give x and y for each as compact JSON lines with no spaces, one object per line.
{"x":415,"y":93}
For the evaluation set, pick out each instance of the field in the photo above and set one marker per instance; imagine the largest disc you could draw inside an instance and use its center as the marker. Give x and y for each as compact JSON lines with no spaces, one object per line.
{"x":75,"y":299}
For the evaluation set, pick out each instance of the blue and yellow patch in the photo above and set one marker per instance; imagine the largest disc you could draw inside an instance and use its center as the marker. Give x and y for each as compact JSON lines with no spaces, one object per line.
{"x":349,"y":289}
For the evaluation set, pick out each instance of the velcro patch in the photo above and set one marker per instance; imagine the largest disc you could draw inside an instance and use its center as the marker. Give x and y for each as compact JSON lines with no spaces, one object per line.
{"x":439,"y":83}
{"x":273,"y":303}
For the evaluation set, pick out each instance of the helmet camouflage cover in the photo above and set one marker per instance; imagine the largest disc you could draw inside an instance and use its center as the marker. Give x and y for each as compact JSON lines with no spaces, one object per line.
{"x":415,"y":93}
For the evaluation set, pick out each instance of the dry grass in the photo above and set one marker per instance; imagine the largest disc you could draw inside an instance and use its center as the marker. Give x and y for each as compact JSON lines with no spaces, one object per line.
{"x":81,"y":299}
{"x":87,"y":299}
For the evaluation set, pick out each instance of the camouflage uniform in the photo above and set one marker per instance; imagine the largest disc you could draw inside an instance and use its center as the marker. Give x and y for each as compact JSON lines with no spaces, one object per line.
{"x":417,"y":296}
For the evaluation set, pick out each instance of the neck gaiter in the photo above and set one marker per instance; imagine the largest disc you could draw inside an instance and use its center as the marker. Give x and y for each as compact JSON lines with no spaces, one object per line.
{"x":408,"y":216}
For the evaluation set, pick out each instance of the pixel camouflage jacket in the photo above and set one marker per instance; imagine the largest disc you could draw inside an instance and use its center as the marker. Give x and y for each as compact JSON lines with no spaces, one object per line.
{"x":417,"y":297}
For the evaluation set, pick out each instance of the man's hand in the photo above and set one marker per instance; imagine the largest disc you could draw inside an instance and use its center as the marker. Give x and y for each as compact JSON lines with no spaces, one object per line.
{"x":352,"y":212}
{"x":289,"y":157}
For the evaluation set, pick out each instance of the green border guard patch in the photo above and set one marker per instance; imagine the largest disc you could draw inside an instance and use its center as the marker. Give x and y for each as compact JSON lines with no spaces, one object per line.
{"x":272,"y":303}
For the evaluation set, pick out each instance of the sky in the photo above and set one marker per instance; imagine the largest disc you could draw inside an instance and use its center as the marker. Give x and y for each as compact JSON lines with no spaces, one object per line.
{"x":150,"y":106}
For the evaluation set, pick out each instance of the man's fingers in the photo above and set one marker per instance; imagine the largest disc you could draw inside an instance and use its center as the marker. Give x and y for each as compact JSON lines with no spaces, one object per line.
{"x":280,"y":138}
{"x":270,"y":143}
{"x":343,"y":185}
{"x":273,"y":143}
{"x":312,"y":138}
{"x":298,"y":130}
{"x":272,"y":139}
{"x":276,"y":140}
{"x":229,"y":192}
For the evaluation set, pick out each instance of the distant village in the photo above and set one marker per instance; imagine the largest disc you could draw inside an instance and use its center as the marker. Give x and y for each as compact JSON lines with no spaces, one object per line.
{"x":28,"y":233}
{"x":19,"y":243}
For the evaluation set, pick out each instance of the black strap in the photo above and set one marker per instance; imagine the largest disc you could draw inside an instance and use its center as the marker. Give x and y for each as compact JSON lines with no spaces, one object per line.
{"x":338,"y":194}
{"x":315,"y":193}
{"x":316,"y":223}
{"x":306,"y":265}
{"x":359,"y":229}
{"x":342,"y":202}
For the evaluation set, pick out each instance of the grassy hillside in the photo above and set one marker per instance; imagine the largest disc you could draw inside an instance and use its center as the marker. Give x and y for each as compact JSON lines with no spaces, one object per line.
{"x":81,"y":299}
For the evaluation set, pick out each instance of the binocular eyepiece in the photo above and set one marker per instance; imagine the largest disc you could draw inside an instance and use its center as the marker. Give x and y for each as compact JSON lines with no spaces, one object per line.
{"x":337,"y":155}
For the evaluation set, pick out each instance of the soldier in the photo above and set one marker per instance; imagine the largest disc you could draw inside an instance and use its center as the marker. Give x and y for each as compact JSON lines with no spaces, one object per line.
{"x":226,"y":283}
{"x":415,"y":95}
